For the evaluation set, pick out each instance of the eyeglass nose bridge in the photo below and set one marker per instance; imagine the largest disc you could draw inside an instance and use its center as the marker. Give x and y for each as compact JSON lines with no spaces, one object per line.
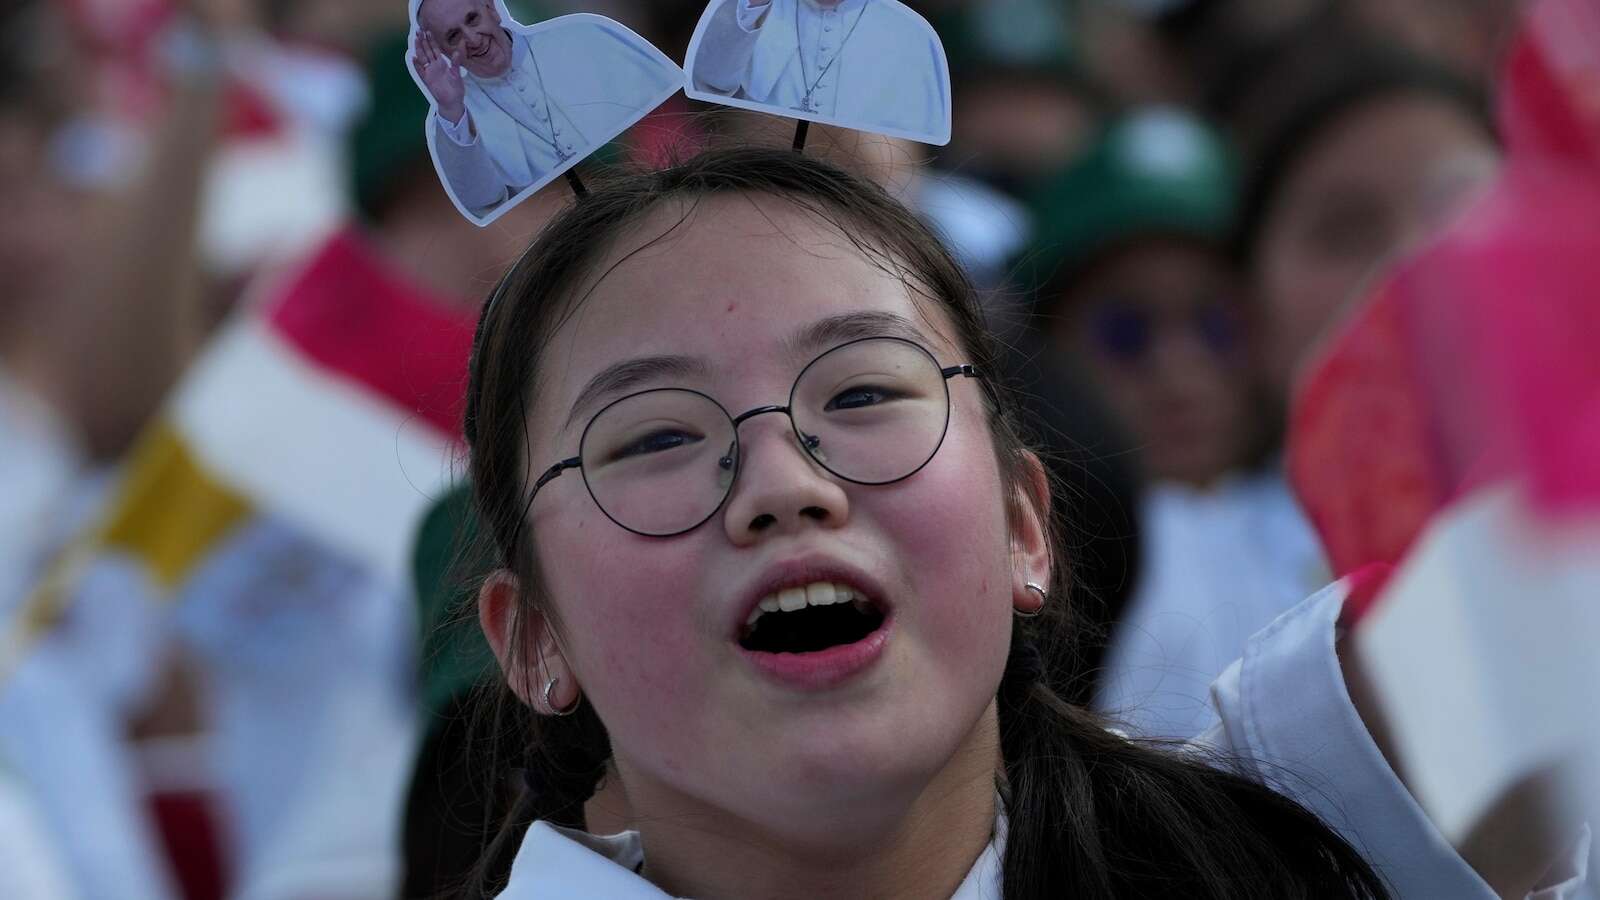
{"x":808,"y":441}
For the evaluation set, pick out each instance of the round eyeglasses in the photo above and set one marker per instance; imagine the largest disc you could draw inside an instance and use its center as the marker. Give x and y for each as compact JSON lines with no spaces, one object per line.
{"x":661,"y":462}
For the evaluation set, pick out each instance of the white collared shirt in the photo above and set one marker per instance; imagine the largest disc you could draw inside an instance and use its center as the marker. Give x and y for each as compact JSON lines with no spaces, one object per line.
{"x":558,"y":863}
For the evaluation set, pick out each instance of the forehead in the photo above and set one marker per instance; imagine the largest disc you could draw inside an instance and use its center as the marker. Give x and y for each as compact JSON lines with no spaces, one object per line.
{"x":1389,"y":138}
{"x":730,"y":280}
{"x":446,"y":12}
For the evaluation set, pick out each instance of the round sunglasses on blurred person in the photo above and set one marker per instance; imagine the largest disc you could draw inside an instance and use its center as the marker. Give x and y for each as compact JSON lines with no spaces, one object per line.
{"x":1139,"y":290}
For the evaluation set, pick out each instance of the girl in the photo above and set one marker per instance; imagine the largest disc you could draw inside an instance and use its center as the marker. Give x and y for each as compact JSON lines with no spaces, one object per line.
{"x":773,"y":556}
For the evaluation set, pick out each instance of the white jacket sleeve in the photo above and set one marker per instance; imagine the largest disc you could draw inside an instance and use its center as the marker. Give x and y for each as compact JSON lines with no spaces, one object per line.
{"x":468,"y":168}
{"x":1287,"y":717}
{"x":727,"y":48}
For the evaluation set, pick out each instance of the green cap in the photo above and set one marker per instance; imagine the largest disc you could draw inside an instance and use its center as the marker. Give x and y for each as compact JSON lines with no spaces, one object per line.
{"x":1010,"y":35}
{"x":388,"y":141}
{"x":1157,"y":171}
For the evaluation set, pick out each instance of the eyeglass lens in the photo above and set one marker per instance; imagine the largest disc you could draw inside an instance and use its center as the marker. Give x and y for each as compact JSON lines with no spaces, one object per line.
{"x":662,"y":461}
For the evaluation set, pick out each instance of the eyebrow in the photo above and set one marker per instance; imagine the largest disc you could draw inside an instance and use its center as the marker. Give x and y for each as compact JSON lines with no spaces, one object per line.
{"x":813,"y":338}
{"x":630,"y":373}
{"x":840,"y":329}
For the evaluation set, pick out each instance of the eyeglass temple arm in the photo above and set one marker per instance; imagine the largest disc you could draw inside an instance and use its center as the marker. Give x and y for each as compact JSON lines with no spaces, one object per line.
{"x":967,"y":370}
{"x":551,"y":473}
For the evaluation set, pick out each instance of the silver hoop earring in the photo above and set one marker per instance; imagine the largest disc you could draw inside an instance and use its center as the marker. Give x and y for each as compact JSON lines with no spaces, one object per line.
{"x":549,"y":704}
{"x":1043,"y":599}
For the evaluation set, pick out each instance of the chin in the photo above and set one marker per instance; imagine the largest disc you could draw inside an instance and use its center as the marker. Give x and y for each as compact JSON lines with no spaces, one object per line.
{"x":844,"y":762}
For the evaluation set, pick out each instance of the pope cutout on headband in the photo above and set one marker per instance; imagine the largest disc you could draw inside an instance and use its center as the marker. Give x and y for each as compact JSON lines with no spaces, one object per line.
{"x":869,"y":65}
{"x":514,"y":106}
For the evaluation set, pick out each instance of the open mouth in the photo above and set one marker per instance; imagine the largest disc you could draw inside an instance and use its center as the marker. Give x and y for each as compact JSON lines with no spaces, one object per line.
{"x":810,"y":619}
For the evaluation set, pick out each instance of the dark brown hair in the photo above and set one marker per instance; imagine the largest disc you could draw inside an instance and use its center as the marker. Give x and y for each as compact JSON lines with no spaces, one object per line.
{"x":1090,"y":814}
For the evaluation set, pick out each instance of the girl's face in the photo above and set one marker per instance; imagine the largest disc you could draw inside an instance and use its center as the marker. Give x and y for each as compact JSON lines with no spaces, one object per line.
{"x":1378,"y":183}
{"x":744,"y":294}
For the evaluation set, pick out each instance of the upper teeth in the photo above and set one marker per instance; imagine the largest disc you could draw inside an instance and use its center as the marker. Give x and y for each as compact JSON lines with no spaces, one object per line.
{"x":818,"y":593}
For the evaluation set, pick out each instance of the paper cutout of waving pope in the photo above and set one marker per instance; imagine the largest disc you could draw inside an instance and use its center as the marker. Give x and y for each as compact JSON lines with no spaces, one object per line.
{"x":870,"y":65}
{"x":516,"y":106}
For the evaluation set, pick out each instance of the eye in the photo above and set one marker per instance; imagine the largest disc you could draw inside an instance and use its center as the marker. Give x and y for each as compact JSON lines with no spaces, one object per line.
{"x":452,"y":36}
{"x":658,"y":441}
{"x":472,"y":18}
{"x":860,"y":397}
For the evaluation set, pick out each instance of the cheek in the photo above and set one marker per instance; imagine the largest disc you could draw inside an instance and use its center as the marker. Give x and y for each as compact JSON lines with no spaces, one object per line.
{"x":949,"y":529}
{"x":625,"y":627}
{"x":1302,"y":289}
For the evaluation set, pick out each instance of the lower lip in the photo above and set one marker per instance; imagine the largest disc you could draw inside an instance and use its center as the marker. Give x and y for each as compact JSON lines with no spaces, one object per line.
{"x":824,"y":669}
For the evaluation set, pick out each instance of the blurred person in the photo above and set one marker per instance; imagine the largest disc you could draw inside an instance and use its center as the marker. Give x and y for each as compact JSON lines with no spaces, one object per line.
{"x":1224,"y":44}
{"x":1358,"y":155}
{"x":1023,"y":107}
{"x":1127,"y":53}
{"x":348,"y":26}
{"x":1140,"y":292}
{"x":99,"y":321}
{"x":1025,"y":104}
{"x":297,"y":613}
{"x":1143,"y":293}
{"x":1467,"y":37}
{"x":1361,"y":153}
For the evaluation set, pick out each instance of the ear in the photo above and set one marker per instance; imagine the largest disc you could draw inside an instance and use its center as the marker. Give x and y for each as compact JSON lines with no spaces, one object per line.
{"x":1031,"y":557}
{"x":493,"y":9}
{"x":525,"y":645}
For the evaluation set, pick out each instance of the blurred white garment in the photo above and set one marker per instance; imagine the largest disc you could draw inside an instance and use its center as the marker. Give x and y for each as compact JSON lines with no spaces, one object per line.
{"x":1219,"y":565}
{"x":320,"y":89}
{"x":1285,"y":715}
{"x":983,"y":227}
{"x":29,"y":866}
{"x":275,"y":193}
{"x":306,"y":657}
{"x":40,"y":464}
{"x":62,"y":705}
{"x":67,"y":746}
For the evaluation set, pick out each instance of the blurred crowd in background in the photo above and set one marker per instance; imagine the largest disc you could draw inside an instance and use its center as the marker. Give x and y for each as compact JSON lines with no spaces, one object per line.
{"x":232,"y":661}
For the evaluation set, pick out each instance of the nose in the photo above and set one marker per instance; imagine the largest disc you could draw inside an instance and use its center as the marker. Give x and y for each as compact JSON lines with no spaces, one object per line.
{"x":780,"y":489}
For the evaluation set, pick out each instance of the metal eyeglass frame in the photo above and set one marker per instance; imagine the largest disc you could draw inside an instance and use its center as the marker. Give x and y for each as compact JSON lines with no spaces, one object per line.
{"x":734,"y":458}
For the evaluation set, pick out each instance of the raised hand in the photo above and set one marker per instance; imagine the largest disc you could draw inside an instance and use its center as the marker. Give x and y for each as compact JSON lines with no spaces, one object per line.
{"x":442,"y":76}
